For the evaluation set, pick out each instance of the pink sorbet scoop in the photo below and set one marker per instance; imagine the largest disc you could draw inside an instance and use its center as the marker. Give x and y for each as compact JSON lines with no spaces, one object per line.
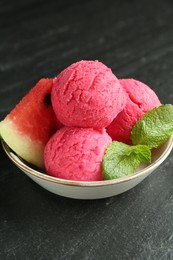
{"x":76,"y":153}
{"x":87,"y":94}
{"x":140,"y":99}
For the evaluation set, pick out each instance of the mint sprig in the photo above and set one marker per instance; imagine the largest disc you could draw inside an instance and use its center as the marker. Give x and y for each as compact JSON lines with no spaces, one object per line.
{"x":155,"y":127}
{"x":121,"y":159}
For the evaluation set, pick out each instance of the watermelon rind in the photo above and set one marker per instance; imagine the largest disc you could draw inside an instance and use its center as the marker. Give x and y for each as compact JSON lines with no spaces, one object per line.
{"x":31,"y":151}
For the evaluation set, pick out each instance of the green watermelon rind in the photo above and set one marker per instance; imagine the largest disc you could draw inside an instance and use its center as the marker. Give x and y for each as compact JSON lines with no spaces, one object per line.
{"x":29,"y":150}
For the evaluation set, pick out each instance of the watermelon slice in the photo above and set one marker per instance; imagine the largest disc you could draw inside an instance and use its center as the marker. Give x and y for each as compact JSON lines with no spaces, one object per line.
{"x":28,"y":127}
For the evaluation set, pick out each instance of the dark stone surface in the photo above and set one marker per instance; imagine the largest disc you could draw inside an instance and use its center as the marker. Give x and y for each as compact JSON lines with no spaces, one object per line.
{"x":39,"y":39}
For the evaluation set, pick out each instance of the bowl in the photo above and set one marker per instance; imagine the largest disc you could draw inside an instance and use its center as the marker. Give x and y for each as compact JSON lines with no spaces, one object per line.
{"x":96,"y":189}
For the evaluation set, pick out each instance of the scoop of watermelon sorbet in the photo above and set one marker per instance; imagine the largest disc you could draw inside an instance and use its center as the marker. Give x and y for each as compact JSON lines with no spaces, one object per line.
{"x":28,"y":127}
{"x":76,"y":153}
{"x":87,"y":94}
{"x":140,"y":99}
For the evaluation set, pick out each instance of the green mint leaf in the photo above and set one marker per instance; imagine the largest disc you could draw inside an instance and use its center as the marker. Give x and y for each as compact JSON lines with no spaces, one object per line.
{"x":154,"y":128}
{"x":121,"y":159}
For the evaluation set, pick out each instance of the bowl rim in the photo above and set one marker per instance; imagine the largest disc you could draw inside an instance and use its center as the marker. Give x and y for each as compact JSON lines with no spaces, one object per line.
{"x":36,"y":173}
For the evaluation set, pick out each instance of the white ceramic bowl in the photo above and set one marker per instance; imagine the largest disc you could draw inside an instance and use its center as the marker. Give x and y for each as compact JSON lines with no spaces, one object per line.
{"x":91,"y":190}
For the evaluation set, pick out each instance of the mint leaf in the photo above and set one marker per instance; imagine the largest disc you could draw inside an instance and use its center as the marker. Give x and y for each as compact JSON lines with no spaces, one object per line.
{"x":121,"y":159}
{"x":155,"y":127}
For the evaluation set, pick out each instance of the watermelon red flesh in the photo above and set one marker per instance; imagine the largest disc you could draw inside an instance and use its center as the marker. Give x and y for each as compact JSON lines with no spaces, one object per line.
{"x":32,"y":116}
{"x":28,"y":127}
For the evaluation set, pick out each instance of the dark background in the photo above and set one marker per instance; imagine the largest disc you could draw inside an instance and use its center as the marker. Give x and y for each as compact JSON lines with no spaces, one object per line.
{"x":39,"y":39}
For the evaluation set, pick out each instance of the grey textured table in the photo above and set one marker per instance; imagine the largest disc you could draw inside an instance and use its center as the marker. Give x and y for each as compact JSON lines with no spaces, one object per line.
{"x":39,"y":39}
